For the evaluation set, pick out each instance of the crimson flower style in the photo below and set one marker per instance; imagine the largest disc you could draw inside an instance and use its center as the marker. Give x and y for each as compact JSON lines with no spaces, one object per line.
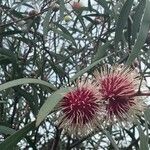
{"x":118,"y":87}
{"x":80,"y":109}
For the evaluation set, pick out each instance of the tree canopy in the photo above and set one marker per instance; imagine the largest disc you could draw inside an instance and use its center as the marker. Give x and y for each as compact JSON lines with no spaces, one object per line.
{"x":48,"y":46}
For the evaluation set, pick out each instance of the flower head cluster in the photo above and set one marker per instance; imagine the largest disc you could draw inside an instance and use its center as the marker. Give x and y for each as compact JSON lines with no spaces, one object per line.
{"x":110,"y":96}
{"x":117,"y":88}
{"x":81,"y":109}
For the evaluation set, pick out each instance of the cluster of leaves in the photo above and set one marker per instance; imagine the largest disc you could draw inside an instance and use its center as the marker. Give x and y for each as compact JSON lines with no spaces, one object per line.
{"x":43,"y":49}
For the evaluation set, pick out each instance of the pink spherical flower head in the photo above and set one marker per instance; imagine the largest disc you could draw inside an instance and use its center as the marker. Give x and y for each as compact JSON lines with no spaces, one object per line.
{"x":80,"y":109}
{"x":117,"y":87}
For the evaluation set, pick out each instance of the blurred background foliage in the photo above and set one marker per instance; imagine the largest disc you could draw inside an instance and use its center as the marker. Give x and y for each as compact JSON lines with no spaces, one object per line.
{"x":47,"y":44}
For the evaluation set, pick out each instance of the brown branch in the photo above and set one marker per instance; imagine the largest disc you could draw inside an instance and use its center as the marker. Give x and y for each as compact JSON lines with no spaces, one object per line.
{"x":55,"y":145}
{"x":139,"y":93}
{"x":81,"y":140}
{"x":25,"y":18}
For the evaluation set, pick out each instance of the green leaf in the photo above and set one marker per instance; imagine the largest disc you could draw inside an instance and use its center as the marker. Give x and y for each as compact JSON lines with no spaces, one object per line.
{"x":111,"y":139}
{"x":58,"y":69}
{"x":65,"y":31}
{"x":62,"y":8}
{"x":50,"y":103}
{"x":89,"y":5}
{"x":81,"y":19}
{"x":143,"y":139}
{"x":101,"y":52}
{"x":17,"y":82}
{"x":30,"y":99}
{"x":142,"y":34}
{"x":81,"y":72}
{"x":64,"y":35}
{"x":8,"y":55}
{"x":6,"y":130}
{"x":46,"y":22}
{"x":122,"y":20}
{"x":147,"y":114}
{"x":27,"y":41}
{"x":137,"y":19}
{"x":13,"y":12}
{"x":19,"y":4}
{"x":104,"y":4}
{"x":12,"y":140}
{"x":10,"y":32}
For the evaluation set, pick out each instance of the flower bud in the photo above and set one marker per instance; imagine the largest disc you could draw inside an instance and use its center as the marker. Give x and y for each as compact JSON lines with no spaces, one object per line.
{"x":32,"y":13}
{"x":55,"y":7}
{"x":76,"y":5}
{"x":67,"y":18}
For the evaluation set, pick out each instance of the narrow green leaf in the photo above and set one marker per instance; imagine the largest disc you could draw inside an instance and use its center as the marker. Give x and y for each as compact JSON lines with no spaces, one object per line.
{"x":101,"y":51}
{"x":122,"y":20}
{"x":7,"y":54}
{"x":146,"y":129}
{"x":142,"y":34}
{"x":89,"y":5}
{"x":19,"y":4}
{"x":10,"y":32}
{"x":27,"y":41}
{"x":62,"y":8}
{"x":58,"y":69}
{"x":14,"y":12}
{"x":147,"y":114}
{"x":143,"y":139}
{"x":64,"y":35}
{"x":81,"y":19}
{"x":81,"y":72}
{"x":30,"y":99}
{"x":111,"y":139}
{"x":65,"y":31}
{"x":62,"y":28}
{"x":28,"y":5}
{"x":46,"y":22}
{"x":12,"y":140}
{"x":50,"y":103}
{"x":17,"y":82}
{"x":137,"y":19}
{"x":104,"y":4}
{"x":6,"y":130}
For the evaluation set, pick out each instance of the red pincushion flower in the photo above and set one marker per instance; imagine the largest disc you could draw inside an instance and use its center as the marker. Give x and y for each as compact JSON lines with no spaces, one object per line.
{"x":117,"y":88}
{"x":80,"y":109}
